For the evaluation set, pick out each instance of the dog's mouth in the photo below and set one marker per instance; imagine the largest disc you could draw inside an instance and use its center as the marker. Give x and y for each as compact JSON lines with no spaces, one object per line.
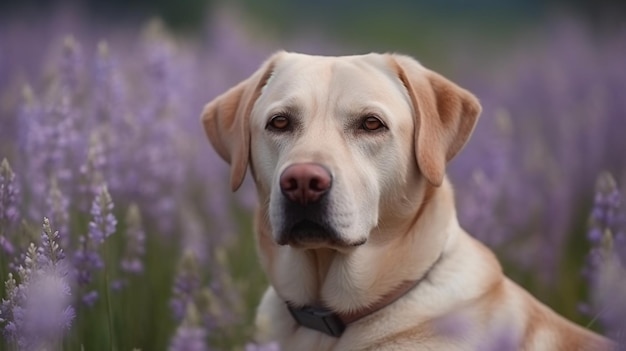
{"x":307,"y":234}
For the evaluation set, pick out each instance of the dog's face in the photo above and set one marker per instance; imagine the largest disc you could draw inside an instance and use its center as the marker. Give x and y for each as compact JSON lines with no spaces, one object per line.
{"x":338,"y":144}
{"x":328,"y":137}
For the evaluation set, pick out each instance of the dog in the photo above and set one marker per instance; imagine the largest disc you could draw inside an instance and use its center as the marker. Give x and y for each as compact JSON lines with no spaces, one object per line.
{"x":356,"y":227}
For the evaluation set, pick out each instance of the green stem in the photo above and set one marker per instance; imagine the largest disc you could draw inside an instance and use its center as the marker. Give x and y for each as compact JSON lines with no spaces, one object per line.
{"x":108,"y":300}
{"x":3,"y":274}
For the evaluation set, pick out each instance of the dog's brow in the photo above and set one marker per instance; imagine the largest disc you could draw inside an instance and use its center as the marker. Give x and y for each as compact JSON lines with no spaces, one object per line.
{"x":371,"y":109}
{"x":288,"y":107}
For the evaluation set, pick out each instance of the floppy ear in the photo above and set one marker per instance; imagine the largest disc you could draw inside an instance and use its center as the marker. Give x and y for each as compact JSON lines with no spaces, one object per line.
{"x":445,"y":116}
{"x":226,"y":121}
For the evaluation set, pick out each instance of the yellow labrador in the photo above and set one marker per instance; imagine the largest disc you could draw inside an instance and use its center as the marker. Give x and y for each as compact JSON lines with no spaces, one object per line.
{"x":356,"y":227}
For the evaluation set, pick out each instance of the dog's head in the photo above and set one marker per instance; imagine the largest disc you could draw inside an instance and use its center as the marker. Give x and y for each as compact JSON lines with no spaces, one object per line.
{"x":337,"y":145}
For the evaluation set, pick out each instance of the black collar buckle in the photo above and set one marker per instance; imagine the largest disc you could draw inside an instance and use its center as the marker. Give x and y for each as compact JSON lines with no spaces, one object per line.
{"x":318,"y":318}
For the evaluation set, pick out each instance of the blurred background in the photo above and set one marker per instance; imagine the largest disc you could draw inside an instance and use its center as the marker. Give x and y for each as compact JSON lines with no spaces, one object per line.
{"x":428,"y":28}
{"x":99,"y":133}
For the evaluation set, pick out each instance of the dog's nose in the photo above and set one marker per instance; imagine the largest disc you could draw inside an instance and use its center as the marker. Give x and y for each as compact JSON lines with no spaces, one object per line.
{"x":305,"y":183}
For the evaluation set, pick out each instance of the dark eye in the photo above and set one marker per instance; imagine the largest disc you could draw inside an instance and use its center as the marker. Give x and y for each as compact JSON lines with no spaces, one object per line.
{"x":371,"y":123}
{"x":278,"y":122}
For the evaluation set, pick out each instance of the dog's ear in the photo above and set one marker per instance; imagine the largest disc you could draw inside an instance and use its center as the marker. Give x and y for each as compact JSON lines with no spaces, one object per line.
{"x":445,"y":116}
{"x":226,"y":121}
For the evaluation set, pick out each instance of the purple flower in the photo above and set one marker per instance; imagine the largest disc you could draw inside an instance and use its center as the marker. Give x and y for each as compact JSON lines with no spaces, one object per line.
{"x":605,"y":221}
{"x":103,"y":221}
{"x":9,"y":204}
{"x":189,"y":336}
{"x":70,"y":65}
{"x":554,"y":150}
{"x":489,"y":200}
{"x":86,"y":260}
{"x":37,"y":311}
{"x":50,"y":250}
{"x":46,"y":314}
{"x":110,"y":93}
{"x":92,"y":171}
{"x":9,"y":192}
{"x":214,"y":304}
{"x":59,"y":209}
{"x":186,"y":286}
{"x":87,"y":257}
{"x":161,"y":168}
{"x":51,"y":145}
{"x":10,"y":308}
{"x":135,"y":242}
{"x":605,"y":269}
{"x":194,"y":238}
{"x":90,"y":298}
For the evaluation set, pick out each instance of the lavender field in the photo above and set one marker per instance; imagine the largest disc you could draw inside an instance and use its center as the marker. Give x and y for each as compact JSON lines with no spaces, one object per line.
{"x":118,"y":230}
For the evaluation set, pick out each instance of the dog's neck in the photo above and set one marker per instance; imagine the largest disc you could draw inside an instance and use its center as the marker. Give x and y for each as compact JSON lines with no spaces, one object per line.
{"x":397,"y":254}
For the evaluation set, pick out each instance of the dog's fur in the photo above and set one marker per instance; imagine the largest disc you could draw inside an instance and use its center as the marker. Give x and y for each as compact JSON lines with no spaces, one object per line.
{"x":390,"y":207}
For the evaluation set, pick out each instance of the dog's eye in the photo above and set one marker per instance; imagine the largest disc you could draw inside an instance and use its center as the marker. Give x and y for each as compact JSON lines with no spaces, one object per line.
{"x":278,"y":122}
{"x":371,"y":123}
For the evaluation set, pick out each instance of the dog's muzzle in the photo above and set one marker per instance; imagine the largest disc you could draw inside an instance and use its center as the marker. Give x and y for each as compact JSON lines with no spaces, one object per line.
{"x":305,"y":187}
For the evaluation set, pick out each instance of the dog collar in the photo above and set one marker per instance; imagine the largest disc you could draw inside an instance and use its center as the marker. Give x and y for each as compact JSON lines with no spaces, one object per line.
{"x":334,"y":324}
{"x":318,"y":318}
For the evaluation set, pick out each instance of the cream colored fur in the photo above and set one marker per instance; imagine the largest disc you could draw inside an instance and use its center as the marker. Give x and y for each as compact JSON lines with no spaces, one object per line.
{"x":389,"y":190}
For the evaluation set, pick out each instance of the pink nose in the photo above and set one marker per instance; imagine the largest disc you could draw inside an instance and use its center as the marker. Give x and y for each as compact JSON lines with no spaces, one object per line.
{"x":305,"y":183}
